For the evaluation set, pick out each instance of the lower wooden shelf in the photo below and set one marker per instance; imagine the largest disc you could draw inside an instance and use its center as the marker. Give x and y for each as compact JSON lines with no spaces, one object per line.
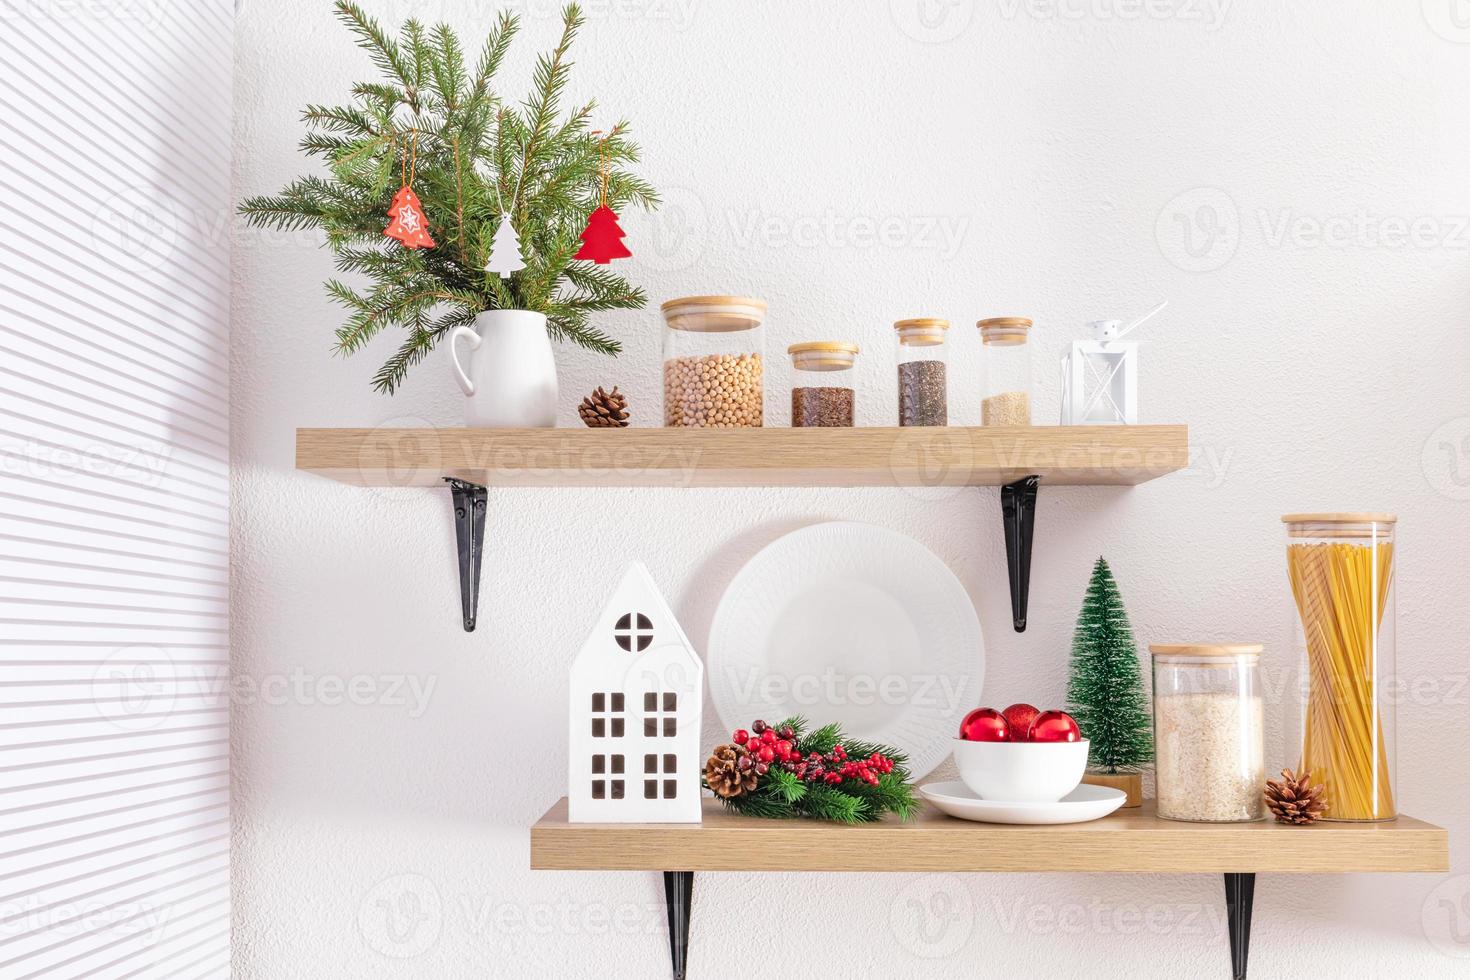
{"x":1129,"y":841}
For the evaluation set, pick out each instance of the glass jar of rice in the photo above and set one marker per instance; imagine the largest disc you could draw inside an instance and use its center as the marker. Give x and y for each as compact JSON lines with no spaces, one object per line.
{"x":1209,"y":737}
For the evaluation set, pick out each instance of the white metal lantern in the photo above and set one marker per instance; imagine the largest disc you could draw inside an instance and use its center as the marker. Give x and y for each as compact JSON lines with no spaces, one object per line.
{"x":1100,"y":376}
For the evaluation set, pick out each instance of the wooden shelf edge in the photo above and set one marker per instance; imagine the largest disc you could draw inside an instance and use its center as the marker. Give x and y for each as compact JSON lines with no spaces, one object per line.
{"x":1130,"y":842}
{"x":655,"y":457}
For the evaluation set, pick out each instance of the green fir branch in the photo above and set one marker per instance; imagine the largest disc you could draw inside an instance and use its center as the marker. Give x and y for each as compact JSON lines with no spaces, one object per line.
{"x":478,"y":155}
{"x":385,"y":54}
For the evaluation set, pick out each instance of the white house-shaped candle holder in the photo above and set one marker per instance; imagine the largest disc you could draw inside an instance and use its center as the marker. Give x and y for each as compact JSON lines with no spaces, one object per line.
{"x":637,"y":692}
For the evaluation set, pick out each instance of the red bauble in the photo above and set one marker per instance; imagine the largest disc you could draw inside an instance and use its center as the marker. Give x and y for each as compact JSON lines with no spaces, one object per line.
{"x":985,"y":725}
{"x":1019,"y":717}
{"x":766,"y":753}
{"x":1054,"y":726}
{"x":602,"y":241}
{"x":740,"y":737}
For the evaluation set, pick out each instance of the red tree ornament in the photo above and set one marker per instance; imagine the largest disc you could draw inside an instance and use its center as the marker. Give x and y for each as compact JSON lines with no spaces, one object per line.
{"x":408,"y":223}
{"x":603,"y":240}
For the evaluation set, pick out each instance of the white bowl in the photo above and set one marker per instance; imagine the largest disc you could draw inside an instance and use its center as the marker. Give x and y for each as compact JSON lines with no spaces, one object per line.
{"x":1021,"y":772}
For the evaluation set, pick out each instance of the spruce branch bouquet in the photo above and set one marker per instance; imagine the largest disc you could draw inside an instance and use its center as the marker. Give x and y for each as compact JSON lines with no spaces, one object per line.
{"x":1105,"y":692}
{"x":785,"y":771}
{"x":474,"y":156}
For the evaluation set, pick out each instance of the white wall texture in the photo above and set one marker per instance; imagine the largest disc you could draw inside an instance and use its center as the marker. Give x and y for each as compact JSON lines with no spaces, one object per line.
{"x":1289,"y":177}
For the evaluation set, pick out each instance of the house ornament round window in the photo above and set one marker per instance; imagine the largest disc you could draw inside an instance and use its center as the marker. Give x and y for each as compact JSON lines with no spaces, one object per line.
{"x":631,"y":637}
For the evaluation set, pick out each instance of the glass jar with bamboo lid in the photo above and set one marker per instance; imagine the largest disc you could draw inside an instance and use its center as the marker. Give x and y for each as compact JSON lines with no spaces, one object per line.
{"x":1209,"y":732}
{"x":713,"y":362}
{"x":1005,"y":391}
{"x":1342,"y":585}
{"x":821,"y":386}
{"x":923,"y":384}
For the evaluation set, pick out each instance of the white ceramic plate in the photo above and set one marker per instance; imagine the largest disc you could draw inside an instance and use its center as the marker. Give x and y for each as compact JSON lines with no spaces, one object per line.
{"x":1086,"y":802}
{"x":849,"y":623}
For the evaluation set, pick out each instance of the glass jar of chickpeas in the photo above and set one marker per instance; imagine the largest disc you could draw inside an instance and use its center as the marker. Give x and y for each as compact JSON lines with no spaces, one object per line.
{"x":713,"y":362}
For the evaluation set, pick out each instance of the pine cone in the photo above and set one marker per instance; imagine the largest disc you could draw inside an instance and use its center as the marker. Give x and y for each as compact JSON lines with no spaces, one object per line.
{"x":1294,"y":799}
{"x":724,"y":774}
{"x":604,"y":410}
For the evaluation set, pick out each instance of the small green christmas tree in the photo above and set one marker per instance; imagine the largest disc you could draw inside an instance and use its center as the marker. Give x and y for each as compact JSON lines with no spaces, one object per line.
{"x":1105,"y":691}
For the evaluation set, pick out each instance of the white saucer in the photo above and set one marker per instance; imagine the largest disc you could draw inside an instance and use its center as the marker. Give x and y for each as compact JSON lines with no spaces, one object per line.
{"x":1086,"y":802}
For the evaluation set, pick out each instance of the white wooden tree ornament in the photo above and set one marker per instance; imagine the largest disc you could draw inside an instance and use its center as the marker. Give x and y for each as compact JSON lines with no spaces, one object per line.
{"x":1100,"y":376}
{"x":637,"y":693}
{"x":505,"y":250}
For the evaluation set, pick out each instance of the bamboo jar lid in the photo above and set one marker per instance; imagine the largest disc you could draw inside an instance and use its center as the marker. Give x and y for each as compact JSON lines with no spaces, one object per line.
{"x":1365,"y":517}
{"x":1364,"y":524}
{"x":714,"y":314}
{"x":922,"y":331}
{"x":1167,"y":650}
{"x":823,"y":355}
{"x":1004,"y":331}
{"x":832,"y":346}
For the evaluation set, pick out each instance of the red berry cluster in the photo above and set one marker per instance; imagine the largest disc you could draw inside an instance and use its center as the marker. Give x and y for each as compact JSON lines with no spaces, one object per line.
{"x":767,"y":745}
{"x":771,"y":746}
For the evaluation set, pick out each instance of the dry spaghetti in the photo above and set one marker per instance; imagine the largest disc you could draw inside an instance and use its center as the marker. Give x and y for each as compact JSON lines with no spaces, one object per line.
{"x":1341,"y":590}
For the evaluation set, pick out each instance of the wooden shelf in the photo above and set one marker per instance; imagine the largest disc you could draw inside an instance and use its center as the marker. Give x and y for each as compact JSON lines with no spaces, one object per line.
{"x":1128,"y":841}
{"x":649,"y":457}
{"x":1018,"y":460}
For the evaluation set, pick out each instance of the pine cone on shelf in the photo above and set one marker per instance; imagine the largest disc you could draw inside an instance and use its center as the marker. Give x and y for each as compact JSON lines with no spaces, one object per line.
{"x":1294,"y":799}
{"x":730,"y":772}
{"x":604,"y":409}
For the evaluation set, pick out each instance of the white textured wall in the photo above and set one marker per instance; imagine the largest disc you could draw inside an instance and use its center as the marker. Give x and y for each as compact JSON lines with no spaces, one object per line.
{"x":1291,"y":180}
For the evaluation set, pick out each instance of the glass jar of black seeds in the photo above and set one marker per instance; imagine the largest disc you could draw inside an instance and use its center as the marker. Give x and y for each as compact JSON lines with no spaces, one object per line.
{"x":923,"y":397}
{"x":821,"y":383}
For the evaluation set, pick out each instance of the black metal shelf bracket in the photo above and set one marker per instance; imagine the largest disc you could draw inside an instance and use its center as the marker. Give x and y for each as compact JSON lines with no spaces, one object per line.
{"x":1018,"y":514}
{"x":1240,"y":895}
{"x":469,"y":538}
{"x":1240,"y":890}
{"x":679,"y":894}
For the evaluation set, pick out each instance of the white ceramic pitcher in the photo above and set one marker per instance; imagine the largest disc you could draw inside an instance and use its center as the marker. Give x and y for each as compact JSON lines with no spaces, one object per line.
{"x":511,"y":380}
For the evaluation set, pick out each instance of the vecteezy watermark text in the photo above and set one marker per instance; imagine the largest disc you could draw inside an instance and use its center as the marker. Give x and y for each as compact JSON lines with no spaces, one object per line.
{"x":833,"y":688}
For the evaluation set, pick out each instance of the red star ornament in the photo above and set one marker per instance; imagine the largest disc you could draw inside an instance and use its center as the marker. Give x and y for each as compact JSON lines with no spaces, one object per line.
{"x":602,"y":241}
{"x":409,"y":225}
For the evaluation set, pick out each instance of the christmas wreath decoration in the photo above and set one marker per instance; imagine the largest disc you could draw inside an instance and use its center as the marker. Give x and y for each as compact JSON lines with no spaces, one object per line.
{"x":784,"y":771}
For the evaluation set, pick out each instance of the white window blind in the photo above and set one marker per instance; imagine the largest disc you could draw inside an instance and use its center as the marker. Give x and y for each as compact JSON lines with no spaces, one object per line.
{"x":114,"y":520}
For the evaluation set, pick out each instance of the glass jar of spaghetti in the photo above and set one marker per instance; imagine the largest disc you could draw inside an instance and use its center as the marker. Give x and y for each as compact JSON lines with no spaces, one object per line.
{"x":1209,"y":732}
{"x":1341,"y":571}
